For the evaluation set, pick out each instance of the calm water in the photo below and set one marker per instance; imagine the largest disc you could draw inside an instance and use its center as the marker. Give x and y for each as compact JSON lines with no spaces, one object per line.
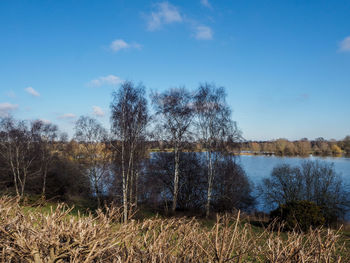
{"x":257,"y":167}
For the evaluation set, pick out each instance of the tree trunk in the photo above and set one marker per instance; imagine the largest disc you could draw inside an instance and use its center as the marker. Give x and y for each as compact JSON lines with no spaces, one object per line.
{"x":43,"y":193}
{"x":15,"y":179}
{"x":210,"y":183}
{"x":136,"y":187}
{"x":23,"y":183}
{"x":129,"y":175}
{"x":125,"y":188}
{"x":15,"y":171}
{"x":16,"y":184}
{"x":97,"y":191}
{"x":131,"y":186}
{"x":176,"y":178}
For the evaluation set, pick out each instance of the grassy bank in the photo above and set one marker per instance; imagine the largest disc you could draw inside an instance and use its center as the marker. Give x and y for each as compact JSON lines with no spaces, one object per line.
{"x":59,"y":235}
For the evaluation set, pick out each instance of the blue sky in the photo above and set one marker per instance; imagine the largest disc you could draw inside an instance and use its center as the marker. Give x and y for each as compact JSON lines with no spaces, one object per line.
{"x":285,"y":64}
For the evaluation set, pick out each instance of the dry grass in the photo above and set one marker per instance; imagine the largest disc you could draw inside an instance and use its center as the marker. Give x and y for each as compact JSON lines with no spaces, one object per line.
{"x":59,"y":237}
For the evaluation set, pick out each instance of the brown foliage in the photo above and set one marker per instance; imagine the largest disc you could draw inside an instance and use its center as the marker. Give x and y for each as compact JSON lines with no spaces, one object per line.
{"x":60,"y":237}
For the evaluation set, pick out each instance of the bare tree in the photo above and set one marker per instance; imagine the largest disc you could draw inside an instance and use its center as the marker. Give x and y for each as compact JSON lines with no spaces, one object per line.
{"x":233,"y":189}
{"x":129,"y":121}
{"x":284,"y":185}
{"x":94,"y":155}
{"x":137,"y":169}
{"x":215,"y":127}
{"x":312,"y":181}
{"x":46,"y":136}
{"x":175,"y":112}
{"x":158,"y":181}
{"x":18,"y":152}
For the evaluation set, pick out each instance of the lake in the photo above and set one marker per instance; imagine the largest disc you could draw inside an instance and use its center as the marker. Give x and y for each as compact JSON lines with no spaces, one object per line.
{"x":259,"y":166}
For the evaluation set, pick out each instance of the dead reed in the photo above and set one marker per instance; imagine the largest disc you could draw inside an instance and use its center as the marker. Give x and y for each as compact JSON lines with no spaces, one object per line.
{"x":60,"y":237}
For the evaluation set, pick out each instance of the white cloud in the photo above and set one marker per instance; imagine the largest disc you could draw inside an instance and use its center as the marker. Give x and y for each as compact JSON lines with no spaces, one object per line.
{"x":203,"y":33}
{"x":110,"y":80}
{"x":205,"y":3}
{"x":97,"y":111}
{"x":165,"y":13}
{"x":345,"y":45}
{"x":120,"y":44}
{"x":6,"y":108}
{"x":67,"y":116}
{"x":32,"y":91}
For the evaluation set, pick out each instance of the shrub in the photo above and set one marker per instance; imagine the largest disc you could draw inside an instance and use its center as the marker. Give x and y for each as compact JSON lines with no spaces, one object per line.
{"x":298,"y":215}
{"x":34,"y":236}
{"x":312,"y":181}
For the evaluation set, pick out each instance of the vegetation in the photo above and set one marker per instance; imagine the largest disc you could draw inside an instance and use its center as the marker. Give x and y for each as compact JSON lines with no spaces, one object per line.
{"x":115,"y":167}
{"x":129,"y":121}
{"x":303,"y":147}
{"x":232,"y":189}
{"x":194,"y":172}
{"x":298,"y":215}
{"x":94,"y":155}
{"x":214,"y":128}
{"x":173,"y":107}
{"x":316,"y":182}
{"x":57,"y":236}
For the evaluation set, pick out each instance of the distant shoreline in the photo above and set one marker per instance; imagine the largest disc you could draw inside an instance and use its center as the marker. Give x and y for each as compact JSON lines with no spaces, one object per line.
{"x":247,"y":153}
{"x":302,"y":156}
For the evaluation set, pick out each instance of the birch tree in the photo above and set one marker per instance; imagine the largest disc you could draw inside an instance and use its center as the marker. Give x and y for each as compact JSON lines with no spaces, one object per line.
{"x":18,"y":152}
{"x":174,"y":108}
{"x":214,"y":127}
{"x":46,"y":136}
{"x":129,"y":121}
{"x":94,"y":155}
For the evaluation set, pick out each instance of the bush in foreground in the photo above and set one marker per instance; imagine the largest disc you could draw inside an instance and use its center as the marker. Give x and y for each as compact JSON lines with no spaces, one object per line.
{"x":59,"y":237}
{"x":299,"y":215}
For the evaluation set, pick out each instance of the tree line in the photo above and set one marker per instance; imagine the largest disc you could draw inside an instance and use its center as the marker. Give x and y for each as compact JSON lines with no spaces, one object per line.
{"x":197,"y":173}
{"x":117,"y":164}
{"x":302,"y":147}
